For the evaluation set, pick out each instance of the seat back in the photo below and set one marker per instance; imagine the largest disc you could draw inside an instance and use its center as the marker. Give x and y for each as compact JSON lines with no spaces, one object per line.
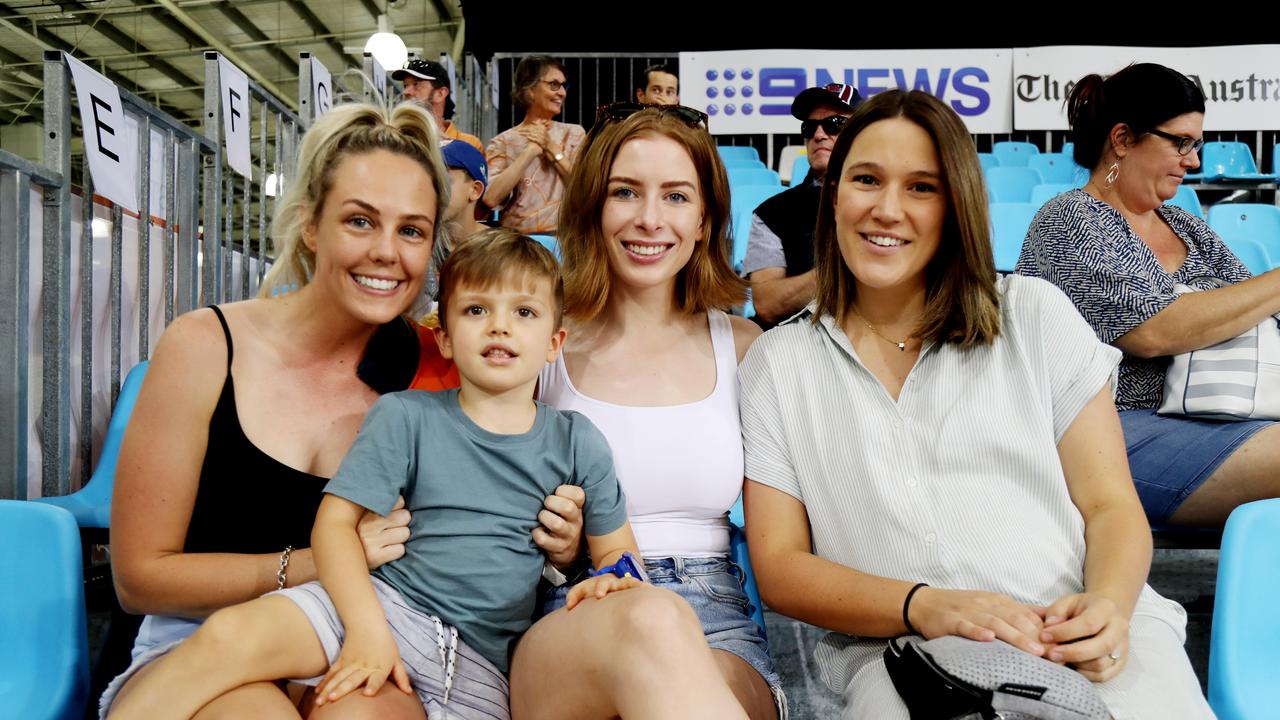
{"x":787,"y":161}
{"x":739,"y":177}
{"x":744,"y":199}
{"x":1014,"y":154}
{"x":1012,"y":184}
{"x":1045,"y":192}
{"x":44,"y":664}
{"x":1009,"y":225}
{"x":1242,"y":224}
{"x":745,"y":152}
{"x":1188,"y":200}
{"x":1053,"y":167}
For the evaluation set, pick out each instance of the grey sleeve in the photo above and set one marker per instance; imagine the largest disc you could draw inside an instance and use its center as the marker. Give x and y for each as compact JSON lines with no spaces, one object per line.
{"x":382,"y":460}
{"x":764,"y":248}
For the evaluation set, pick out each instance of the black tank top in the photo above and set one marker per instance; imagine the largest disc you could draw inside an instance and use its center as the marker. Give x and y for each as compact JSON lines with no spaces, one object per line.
{"x":248,"y":502}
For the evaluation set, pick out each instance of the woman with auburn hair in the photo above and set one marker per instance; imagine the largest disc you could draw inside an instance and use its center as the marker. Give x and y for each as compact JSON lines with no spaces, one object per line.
{"x":651,"y":359}
{"x":933,"y":450}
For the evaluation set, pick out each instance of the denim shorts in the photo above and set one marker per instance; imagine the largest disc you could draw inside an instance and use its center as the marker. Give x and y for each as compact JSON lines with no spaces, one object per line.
{"x":1170,"y":457}
{"x":713,"y":587}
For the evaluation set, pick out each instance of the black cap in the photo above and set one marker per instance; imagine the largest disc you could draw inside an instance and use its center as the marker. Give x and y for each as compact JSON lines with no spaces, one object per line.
{"x":837,"y":95}
{"x":428,"y":70}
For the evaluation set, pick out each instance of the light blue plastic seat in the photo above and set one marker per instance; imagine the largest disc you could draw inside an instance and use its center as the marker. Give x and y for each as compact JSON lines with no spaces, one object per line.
{"x":1044,"y":192}
{"x":744,"y":199}
{"x":745,"y":152}
{"x":1014,"y":154}
{"x":44,"y":643}
{"x":740,"y":163}
{"x":1223,"y":161}
{"x":1244,"y":648}
{"x":1188,"y":200}
{"x":738,"y":554}
{"x":799,"y":169}
{"x":549,"y":242}
{"x":1009,"y":225}
{"x":1243,"y":224}
{"x":91,"y":504}
{"x":1068,"y":149}
{"x":1053,"y":167}
{"x":741,"y":177}
{"x":988,"y":160}
{"x":1012,"y":184}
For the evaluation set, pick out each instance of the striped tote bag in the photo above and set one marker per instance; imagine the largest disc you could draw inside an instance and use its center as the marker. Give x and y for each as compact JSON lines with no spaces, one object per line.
{"x":1237,"y":379}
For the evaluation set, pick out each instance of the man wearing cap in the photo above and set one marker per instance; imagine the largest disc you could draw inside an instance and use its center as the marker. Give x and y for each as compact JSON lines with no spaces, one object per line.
{"x":658,"y":85}
{"x":468,"y":178}
{"x":779,"y":259}
{"x":427,"y":83}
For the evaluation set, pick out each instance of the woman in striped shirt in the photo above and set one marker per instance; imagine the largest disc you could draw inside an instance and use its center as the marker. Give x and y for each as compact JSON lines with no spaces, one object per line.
{"x":933,"y":450}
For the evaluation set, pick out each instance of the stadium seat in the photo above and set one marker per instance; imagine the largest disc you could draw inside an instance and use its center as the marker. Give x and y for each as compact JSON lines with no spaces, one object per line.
{"x":799,"y":170}
{"x":1243,"y":224}
{"x":1221,"y":161}
{"x":988,"y":160}
{"x":738,"y":555}
{"x":1243,"y":648}
{"x":1009,"y":225}
{"x":787,"y":161}
{"x":1188,"y":200}
{"x":549,"y":242}
{"x":1053,"y":167}
{"x":1045,"y":192}
{"x":1068,"y":149}
{"x":741,"y":177}
{"x":1014,"y":154}
{"x":744,"y":200}
{"x":745,"y":152}
{"x":91,"y":504}
{"x":1012,"y":184}
{"x":739,"y":163}
{"x":44,"y":666}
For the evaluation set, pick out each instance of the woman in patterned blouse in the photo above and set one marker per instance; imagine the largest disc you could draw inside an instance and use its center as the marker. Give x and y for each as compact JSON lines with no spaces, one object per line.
{"x":1117,"y":250}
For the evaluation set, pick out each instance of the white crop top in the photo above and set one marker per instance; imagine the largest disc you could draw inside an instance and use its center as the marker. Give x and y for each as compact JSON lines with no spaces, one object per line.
{"x":679,"y":465}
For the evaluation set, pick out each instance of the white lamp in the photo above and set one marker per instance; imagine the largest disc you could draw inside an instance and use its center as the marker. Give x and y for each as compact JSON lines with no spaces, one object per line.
{"x":386,"y":46}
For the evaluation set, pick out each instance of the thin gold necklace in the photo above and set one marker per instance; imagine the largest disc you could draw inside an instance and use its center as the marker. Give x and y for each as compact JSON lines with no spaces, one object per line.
{"x":901,"y":345}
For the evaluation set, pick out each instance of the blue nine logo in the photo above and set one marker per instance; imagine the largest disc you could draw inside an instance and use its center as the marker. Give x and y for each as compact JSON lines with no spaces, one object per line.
{"x":770,"y":90}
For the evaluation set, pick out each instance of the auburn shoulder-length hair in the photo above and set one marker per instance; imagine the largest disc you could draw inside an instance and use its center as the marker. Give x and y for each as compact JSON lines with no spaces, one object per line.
{"x":707,"y":281}
{"x":961,"y":302}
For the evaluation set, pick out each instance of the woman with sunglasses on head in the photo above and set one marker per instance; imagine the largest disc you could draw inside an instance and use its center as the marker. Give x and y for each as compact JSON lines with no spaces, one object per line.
{"x":651,"y":359}
{"x":529,"y":163}
{"x":934,"y":451}
{"x":1116,"y":249}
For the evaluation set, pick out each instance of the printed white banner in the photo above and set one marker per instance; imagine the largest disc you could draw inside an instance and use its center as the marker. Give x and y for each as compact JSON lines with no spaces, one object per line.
{"x":321,"y":88}
{"x":235,"y":116}
{"x":750,"y":91}
{"x":109,"y":142}
{"x":1241,"y":84}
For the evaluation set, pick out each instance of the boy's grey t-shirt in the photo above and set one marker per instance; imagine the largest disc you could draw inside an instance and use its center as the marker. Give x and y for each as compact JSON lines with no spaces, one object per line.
{"x":475,"y":498}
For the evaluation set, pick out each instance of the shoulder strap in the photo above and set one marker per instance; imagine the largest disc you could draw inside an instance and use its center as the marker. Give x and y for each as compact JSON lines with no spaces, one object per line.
{"x":225,"y":331}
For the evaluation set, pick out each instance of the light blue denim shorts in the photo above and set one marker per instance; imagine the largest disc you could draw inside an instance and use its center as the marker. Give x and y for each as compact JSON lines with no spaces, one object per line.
{"x":713,"y":588}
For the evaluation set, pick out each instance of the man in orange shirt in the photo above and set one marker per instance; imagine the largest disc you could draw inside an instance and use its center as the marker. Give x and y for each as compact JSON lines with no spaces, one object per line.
{"x":427,"y":83}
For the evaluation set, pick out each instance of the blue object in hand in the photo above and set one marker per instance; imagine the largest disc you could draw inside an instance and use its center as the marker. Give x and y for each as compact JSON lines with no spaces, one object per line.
{"x":627,"y":566}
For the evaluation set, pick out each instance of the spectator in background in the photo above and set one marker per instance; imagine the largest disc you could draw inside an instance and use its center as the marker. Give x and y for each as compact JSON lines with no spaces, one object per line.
{"x":658,"y":85}
{"x":529,"y":163}
{"x":1116,"y":250}
{"x":468,"y":177}
{"x":427,"y":83}
{"x":779,"y":260}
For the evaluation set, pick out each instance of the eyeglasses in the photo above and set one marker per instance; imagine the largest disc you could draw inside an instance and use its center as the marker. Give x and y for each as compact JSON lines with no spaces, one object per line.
{"x":1186,"y":145}
{"x":622,"y":110}
{"x":555,"y":85}
{"x":830,"y":125}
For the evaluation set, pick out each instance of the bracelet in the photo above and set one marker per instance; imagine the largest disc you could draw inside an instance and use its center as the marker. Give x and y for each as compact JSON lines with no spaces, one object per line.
{"x":284,"y":565}
{"x":906,"y":605}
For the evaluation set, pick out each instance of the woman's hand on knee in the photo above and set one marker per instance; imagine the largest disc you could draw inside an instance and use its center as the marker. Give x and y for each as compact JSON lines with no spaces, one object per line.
{"x":1088,"y":632}
{"x":560,"y":533}
{"x":977,"y":615}
{"x":383,"y":538}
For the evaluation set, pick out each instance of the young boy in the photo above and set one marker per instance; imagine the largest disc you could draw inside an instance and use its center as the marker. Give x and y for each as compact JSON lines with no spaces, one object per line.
{"x":474,"y":466}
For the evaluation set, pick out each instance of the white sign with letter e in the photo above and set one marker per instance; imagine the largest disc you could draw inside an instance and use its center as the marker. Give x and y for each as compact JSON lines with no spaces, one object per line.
{"x":235,"y":116}
{"x":110,"y":144}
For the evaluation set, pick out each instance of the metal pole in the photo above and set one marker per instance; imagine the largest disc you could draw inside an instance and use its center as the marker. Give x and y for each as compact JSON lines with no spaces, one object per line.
{"x":144,"y":241}
{"x":15,"y":266}
{"x":56,"y":292}
{"x":212,"y":192}
{"x":86,"y":323}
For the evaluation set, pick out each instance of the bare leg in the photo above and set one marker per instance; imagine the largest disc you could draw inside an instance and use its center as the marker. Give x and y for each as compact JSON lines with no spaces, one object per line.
{"x":389,"y":704}
{"x":748,"y":686}
{"x":636,"y":654}
{"x":262,"y":700}
{"x":266,"y":639}
{"x":1251,"y":473}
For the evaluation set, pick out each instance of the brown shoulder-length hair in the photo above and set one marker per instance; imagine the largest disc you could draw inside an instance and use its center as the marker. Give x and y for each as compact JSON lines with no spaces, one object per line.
{"x":706,"y":281}
{"x":961,"y":303}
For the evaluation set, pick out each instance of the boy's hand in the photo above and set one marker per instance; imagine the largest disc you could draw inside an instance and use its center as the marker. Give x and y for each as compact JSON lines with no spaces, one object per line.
{"x":598,"y":587}
{"x":560,"y":533}
{"x":366,"y":659}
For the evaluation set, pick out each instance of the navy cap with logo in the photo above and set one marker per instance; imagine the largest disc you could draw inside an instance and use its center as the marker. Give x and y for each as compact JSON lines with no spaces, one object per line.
{"x":838,"y":96}
{"x":427,"y":70}
{"x":461,"y":155}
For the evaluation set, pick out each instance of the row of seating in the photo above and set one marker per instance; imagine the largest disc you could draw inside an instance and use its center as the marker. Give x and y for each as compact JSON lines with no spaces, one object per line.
{"x":1251,"y":231}
{"x":1220,"y":161}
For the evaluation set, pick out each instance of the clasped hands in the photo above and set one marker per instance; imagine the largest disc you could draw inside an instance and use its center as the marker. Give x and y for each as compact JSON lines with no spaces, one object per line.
{"x":1085,"y":631}
{"x":538,"y":133}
